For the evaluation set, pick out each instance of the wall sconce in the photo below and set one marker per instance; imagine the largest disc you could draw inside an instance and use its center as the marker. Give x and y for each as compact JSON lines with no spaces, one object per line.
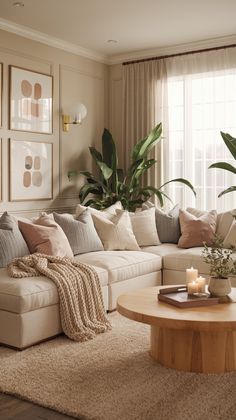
{"x":78,"y":115}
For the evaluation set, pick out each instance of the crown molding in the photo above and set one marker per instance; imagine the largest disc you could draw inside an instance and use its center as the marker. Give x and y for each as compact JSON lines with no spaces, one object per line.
{"x":26,"y":32}
{"x":155,"y":52}
{"x":29,"y":33}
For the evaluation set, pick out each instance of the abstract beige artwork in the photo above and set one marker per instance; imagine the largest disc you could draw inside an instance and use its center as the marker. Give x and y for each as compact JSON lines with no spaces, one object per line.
{"x":30,"y":170}
{"x":30,"y":101}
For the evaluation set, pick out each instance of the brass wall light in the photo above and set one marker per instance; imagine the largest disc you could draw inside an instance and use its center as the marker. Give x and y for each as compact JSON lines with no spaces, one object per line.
{"x":76,"y":118}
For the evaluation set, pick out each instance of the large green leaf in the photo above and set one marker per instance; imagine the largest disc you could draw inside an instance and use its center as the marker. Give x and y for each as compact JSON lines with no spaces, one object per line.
{"x":109,"y":149}
{"x":89,"y":189}
{"x":230,"y":142}
{"x":228,"y":190}
{"x":224,"y":165}
{"x":95,"y":154}
{"x":151,"y":140}
{"x":106,"y":171}
{"x":182,"y":181}
{"x":142,"y":148}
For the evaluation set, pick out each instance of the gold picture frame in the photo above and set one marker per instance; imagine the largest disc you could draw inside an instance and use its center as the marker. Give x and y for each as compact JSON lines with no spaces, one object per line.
{"x":31,"y":170}
{"x":30,"y":101}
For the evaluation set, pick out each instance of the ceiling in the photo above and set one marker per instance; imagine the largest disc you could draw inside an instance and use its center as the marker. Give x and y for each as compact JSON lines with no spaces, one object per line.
{"x":135,"y":24}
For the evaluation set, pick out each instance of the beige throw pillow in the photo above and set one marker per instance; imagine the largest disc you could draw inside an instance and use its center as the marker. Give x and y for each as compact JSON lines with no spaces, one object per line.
{"x":117,"y":233}
{"x":230,"y":239}
{"x":46,"y":237}
{"x":144,"y":227}
{"x":196,"y":230}
{"x":107,"y":213}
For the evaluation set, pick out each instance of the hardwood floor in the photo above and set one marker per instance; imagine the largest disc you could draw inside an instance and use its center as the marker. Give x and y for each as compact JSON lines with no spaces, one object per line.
{"x":12,"y":408}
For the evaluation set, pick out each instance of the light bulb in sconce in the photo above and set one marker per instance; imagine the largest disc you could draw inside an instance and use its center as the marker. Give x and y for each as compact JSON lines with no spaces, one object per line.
{"x":76,"y":116}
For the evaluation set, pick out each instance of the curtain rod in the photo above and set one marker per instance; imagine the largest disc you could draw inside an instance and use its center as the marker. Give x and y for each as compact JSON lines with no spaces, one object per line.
{"x":161,"y":57}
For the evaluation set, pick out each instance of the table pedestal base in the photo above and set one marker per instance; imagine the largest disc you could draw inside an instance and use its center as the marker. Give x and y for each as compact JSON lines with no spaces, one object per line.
{"x":194,"y":351}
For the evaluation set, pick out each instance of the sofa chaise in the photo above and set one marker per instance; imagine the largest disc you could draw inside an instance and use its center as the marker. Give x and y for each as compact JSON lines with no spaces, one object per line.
{"x":29,"y":307}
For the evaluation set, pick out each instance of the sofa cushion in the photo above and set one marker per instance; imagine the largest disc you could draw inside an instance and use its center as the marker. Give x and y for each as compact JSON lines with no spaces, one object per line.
{"x":167,"y":223}
{"x":12,"y":243}
{"x":185,"y":258}
{"x":144,"y":227}
{"x":230,"y":239}
{"x":80,"y":232}
{"x":46,"y":237}
{"x":196,"y":230}
{"x":106,"y":213}
{"x":117,"y":233}
{"x":30,"y":293}
{"x":161,"y":250}
{"x":123,"y":265}
{"x":224,"y":220}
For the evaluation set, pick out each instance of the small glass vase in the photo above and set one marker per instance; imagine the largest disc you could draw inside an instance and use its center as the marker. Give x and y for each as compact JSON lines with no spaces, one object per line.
{"x":219,"y":287}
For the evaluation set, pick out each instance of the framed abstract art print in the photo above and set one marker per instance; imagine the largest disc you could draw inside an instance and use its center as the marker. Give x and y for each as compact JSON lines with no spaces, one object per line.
{"x":31,"y":172}
{"x":31,"y":97}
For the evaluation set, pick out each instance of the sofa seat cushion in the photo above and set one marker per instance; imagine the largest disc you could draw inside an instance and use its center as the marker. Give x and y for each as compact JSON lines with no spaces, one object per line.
{"x":30,"y":293}
{"x":185,"y":258}
{"x":123,"y":265}
{"x":161,"y":250}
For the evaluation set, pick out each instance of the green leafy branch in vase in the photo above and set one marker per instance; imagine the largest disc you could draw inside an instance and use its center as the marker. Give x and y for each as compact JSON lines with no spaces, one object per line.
{"x":114,"y":184}
{"x":220,"y":260}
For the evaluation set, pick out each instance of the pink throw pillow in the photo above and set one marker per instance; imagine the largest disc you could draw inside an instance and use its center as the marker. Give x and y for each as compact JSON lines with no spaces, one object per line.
{"x":196,"y":230}
{"x":45,"y":236}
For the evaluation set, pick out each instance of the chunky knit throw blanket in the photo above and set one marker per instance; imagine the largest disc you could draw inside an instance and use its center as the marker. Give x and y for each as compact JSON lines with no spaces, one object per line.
{"x":80,"y":296}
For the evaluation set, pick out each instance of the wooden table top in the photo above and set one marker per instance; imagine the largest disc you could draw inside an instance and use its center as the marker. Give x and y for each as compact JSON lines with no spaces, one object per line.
{"x":142,"y":306}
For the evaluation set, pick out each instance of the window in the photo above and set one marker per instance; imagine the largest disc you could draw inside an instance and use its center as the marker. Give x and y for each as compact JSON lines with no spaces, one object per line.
{"x":199,"y":107}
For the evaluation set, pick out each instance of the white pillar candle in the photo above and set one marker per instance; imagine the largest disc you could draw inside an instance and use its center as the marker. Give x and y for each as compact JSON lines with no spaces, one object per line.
{"x":191,"y":275}
{"x":201,"y":281}
{"x":192,"y":287}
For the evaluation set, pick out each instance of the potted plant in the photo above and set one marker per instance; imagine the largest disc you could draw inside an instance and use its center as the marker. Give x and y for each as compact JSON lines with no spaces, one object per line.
{"x":221,"y":265}
{"x":112,"y":183}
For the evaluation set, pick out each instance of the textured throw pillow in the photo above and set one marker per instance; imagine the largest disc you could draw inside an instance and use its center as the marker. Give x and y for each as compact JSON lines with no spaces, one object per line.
{"x":12,"y":243}
{"x":195,"y":231}
{"x":107,"y":213}
{"x":46,"y":237}
{"x":230,"y":239}
{"x":167,"y":223}
{"x":117,"y":233}
{"x":80,"y":232}
{"x":144,"y":227}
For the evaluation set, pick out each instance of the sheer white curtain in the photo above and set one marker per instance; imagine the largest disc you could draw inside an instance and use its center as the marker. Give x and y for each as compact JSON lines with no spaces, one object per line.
{"x":144,"y":85}
{"x":201,"y":92}
{"x":194,"y":96}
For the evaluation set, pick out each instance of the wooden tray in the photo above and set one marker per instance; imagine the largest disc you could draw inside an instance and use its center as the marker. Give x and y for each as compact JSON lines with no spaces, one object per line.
{"x":179,"y":297}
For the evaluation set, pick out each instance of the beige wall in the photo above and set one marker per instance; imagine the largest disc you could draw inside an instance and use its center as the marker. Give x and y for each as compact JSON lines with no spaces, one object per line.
{"x":75,"y":79}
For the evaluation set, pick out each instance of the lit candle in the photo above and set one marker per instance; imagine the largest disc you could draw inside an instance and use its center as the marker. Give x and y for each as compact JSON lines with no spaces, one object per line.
{"x":192,"y":288}
{"x":201,"y":281}
{"x":191,"y":275}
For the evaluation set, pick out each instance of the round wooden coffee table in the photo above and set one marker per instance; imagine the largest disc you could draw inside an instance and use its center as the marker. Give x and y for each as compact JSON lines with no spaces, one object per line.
{"x":199,"y":339}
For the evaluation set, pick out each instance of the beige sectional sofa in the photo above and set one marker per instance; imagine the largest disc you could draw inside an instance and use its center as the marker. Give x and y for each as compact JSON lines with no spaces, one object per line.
{"x":29,"y":307}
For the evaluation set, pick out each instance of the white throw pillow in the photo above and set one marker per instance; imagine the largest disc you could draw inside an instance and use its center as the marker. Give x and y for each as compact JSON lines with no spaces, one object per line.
{"x":107,"y":213}
{"x":230,"y":238}
{"x":116,"y":233}
{"x":144,"y":227}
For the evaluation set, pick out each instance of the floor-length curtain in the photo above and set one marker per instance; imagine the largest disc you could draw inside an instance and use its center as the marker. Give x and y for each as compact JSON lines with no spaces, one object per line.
{"x":143,"y":96}
{"x":201,"y":103}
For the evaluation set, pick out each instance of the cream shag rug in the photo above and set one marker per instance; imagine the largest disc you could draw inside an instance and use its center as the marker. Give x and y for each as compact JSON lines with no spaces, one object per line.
{"x":113,"y":377}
